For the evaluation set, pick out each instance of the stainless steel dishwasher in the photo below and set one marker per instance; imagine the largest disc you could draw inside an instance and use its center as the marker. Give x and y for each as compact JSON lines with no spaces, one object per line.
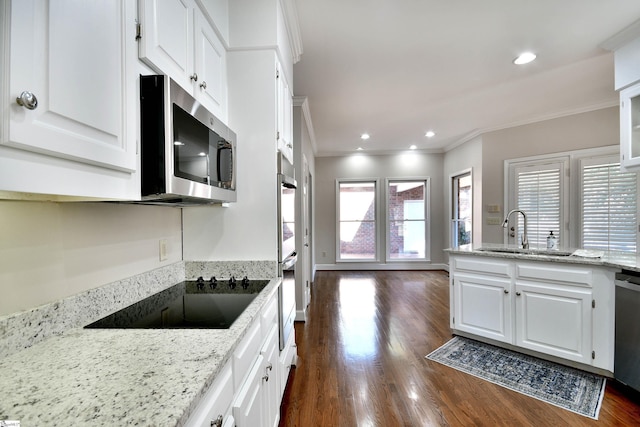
{"x":627,"y":342}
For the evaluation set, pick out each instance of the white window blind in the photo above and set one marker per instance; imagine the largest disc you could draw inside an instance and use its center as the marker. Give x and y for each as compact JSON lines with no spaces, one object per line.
{"x":539,"y":194}
{"x":609,"y":198}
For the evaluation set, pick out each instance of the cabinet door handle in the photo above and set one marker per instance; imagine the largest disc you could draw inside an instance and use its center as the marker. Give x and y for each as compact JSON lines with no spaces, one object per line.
{"x":194,"y":77}
{"x":27,"y":100}
{"x":518,"y":293}
{"x":203,"y":85}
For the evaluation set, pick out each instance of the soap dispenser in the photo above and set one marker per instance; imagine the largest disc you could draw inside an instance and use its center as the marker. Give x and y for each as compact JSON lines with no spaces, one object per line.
{"x":552,"y":242}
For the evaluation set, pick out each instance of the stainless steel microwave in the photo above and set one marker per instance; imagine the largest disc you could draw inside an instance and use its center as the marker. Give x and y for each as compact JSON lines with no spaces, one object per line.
{"x":188,"y":156}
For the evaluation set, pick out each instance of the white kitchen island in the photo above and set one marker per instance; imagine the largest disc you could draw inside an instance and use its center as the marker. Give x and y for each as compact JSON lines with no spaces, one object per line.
{"x":551,"y":304}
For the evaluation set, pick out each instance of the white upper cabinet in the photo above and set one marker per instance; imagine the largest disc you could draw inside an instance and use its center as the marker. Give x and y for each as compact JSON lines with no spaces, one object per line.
{"x":69,"y":102}
{"x":284,"y":112}
{"x":176,"y":39}
{"x":630,"y":127}
{"x":626,"y":53}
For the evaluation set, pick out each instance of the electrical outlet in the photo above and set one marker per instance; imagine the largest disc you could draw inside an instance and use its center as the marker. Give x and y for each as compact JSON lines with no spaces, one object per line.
{"x":163,"y":249}
{"x":492,"y":220}
{"x":493,"y":208}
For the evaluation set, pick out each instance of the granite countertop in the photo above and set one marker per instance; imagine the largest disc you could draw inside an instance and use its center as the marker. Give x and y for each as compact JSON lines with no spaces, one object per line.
{"x":98,"y":377}
{"x":613,"y":259}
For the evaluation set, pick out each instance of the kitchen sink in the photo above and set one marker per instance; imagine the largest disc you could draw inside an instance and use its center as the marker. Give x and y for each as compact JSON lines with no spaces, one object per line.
{"x":541,"y":252}
{"x":188,"y":305}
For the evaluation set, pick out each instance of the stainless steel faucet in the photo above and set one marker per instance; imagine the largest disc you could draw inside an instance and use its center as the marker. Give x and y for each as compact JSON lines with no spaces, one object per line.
{"x":525,"y":240}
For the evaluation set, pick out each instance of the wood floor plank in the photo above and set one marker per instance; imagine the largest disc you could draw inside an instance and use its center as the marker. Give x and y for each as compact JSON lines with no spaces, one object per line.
{"x":362,"y":363}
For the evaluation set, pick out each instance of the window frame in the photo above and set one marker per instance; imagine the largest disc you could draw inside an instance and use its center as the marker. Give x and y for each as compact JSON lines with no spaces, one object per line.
{"x":572,"y":198}
{"x":427,"y":219}
{"x":601,"y":159}
{"x":454,"y":181}
{"x":512,"y":166}
{"x":377,"y":209}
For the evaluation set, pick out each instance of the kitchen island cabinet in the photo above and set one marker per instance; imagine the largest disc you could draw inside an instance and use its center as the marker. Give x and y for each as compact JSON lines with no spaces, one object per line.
{"x":558,"y":307}
{"x":69,"y":100}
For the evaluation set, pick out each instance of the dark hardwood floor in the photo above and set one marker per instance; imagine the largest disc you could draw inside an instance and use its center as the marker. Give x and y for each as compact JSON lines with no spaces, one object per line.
{"x":362,"y":363}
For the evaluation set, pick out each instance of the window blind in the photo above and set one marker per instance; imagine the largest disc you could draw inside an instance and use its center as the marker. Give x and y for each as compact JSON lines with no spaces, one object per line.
{"x":609,"y":214}
{"x":539,"y":195}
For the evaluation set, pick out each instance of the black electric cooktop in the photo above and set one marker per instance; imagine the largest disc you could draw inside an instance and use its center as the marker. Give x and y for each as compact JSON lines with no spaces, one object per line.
{"x":193,"y":304}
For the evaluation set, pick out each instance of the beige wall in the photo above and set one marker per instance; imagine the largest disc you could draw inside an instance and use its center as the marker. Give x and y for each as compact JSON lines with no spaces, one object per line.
{"x":587,"y":130}
{"x":49,"y":251}
{"x":413,"y":164}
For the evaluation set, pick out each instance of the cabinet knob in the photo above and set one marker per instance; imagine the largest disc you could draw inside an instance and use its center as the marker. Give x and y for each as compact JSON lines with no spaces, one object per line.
{"x":270,"y":367}
{"x":265,"y":378}
{"x":194,"y":77}
{"x":506,"y":291}
{"x":217,"y":422}
{"x":27,"y":100}
{"x":203,"y":85}
{"x":518,"y":293}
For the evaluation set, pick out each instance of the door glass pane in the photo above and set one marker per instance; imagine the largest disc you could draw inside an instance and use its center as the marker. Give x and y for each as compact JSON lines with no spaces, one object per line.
{"x":407,"y":214}
{"x":357,"y":220}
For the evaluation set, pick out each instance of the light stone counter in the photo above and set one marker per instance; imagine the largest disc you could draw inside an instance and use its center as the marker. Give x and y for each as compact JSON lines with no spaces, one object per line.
{"x":94,"y":377}
{"x":613,"y":259}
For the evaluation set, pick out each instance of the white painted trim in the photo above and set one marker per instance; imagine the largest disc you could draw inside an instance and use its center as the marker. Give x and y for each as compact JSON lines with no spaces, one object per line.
{"x":301,"y":316}
{"x":542,"y":118}
{"x":303,"y":102}
{"x":293,"y":28}
{"x":379,"y":266}
{"x":621,"y":38}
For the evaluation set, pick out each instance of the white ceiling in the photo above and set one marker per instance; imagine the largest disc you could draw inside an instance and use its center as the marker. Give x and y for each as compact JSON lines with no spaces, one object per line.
{"x":397,"y":68}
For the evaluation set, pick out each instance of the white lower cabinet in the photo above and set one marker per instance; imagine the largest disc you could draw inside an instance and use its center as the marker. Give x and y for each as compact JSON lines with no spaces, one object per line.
{"x":215,"y":407}
{"x":483,"y":306}
{"x":271,"y":385}
{"x":257,"y":403}
{"x":249,"y":402}
{"x":555,"y":320}
{"x":557,"y":309}
{"x":247,"y":391}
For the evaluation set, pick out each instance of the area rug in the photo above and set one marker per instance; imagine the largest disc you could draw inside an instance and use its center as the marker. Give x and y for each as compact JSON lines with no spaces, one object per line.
{"x":577,"y":391}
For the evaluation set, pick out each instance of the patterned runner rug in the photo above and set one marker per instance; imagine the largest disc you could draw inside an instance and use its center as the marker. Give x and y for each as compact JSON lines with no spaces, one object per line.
{"x":572,"y":389}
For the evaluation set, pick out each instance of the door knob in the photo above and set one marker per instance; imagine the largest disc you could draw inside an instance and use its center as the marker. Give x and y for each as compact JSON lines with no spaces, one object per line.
{"x":27,"y":100}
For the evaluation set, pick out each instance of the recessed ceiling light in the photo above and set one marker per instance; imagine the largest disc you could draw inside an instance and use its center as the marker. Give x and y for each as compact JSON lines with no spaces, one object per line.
{"x":413,"y":147}
{"x":359,"y":148}
{"x":365,"y":136}
{"x":202,"y":154}
{"x":524,"y":58}
{"x":430,"y":134}
{"x":178,"y":143}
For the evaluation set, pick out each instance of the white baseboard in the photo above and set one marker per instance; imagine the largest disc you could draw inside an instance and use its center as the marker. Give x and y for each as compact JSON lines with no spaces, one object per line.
{"x":301,"y":315}
{"x":376,"y":266}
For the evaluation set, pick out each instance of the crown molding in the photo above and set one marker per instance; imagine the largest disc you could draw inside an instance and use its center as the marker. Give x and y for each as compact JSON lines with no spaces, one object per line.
{"x":293,"y":28}
{"x":556,"y":115}
{"x":623,"y":37}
